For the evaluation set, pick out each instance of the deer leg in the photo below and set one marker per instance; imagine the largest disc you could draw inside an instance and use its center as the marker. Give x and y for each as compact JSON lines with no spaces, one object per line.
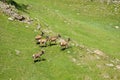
{"x":66,"y":46}
{"x":45,"y":43}
{"x":50,"y":43}
{"x":55,"y":41}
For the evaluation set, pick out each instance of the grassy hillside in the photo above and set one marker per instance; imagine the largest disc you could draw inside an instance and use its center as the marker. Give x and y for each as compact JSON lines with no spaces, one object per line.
{"x":86,"y":23}
{"x":89,"y":23}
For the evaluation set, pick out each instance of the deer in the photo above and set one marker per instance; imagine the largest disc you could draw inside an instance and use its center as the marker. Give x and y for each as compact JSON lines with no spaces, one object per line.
{"x":64,"y":43}
{"x":39,"y":36}
{"x":54,"y":38}
{"x":43,"y":41}
{"x":38,"y":55}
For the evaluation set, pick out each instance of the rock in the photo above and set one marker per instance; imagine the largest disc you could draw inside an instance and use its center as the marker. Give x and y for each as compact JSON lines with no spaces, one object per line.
{"x":78,"y":64}
{"x":26,"y":26}
{"x":35,"y":30}
{"x":106,"y":76}
{"x":19,"y":17}
{"x":87,"y":78}
{"x":89,"y":51}
{"x":70,"y":5}
{"x":57,"y":10}
{"x":10,"y":18}
{"x":47,"y":31}
{"x":97,"y":57}
{"x":118,"y":67}
{"x":12,"y":12}
{"x":74,"y":60}
{"x":38,"y":27}
{"x":10,"y":79}
{"x":117,"y":60}
{"x":109,"y":65}
{"x":68,"y":23}
{"x":72,"y":44}
{"x":78,"y":13}
{"x":98,"y":52}
{"x":17,"y":52}
{"x":29,"y":6}
{"x":80,"y":46}
{"x":68,"y":51}
{"x":99,"y":66}
{"x":65,"y":21}
{"x":77,"y":45}
{"x":116,"y":27}
{"x":28,"y":20}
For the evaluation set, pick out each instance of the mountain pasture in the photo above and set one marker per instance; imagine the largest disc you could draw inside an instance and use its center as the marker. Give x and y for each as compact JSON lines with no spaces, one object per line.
{"x":93,"y":52}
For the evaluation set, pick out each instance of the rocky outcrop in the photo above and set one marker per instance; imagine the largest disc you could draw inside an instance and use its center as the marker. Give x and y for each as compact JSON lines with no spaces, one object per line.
{"x":13,"y":14}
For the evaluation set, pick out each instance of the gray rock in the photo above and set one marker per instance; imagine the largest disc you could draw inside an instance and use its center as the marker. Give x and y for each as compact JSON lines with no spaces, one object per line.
{"x":118,"y":67}
{"x":98,"y":52}
{"x":109,"y":65}
{"x":10,"y":18}
{"x":17,"y":52}
{"x":116,"y":27}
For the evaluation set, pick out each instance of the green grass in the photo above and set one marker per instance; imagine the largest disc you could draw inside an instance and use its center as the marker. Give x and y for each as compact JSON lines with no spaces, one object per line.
{"x":93,"y":27}
{"x":87,"y":23}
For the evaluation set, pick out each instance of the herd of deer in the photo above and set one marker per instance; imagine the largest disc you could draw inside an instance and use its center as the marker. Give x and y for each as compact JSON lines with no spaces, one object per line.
{"x":40,"y":39}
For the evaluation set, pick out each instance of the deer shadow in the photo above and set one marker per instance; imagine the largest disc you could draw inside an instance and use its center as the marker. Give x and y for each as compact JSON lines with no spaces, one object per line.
{"x":52,"y":44}
{"x":43,"y":46}
{"x":37,"y":43}
{"x":39,"y":60}
{"x":62,"y":49}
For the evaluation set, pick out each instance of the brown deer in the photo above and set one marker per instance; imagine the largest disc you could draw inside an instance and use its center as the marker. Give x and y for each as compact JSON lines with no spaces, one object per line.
{"x":54,"y":38}
{"x":43,"y":41}
{"x":39,"y":36}
{"x":38,"y":55}
{"x":64,"y":43}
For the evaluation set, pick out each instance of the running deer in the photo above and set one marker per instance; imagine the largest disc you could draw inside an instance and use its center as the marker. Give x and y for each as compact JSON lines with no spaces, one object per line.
{"x":54,"y":38}
{"x":64,"y":43}
{"x":43,"y":41}
{"x":38,"y":55}
{"x":39,"y":36}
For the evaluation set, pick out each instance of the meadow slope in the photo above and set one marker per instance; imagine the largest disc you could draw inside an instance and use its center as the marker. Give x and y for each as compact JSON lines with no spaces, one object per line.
{"x":86,"y":23}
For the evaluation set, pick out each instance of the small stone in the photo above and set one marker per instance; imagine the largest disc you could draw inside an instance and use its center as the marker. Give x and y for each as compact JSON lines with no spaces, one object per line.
{"x":89,"y":51}
{"x":87,"y":78}
{"x":70,"y":5}
{"x":68,"y":51}
{"x":17,"y":52}
{"x":72,"y":44}
{"x":99,"y":66}
{"x":106,"y":76}
{"x":98,"y":52}
{"x":117,"y":60}
{"x":10,"y":79}
{"x":74,"y":60}
{"x":78,"y":13}
{"x":77,"y":45}
{"x":118,"y":67}
{"x":38,"y":27}
{"x":11,"y":19}
{"x":65,"y":21}
{"x":116,"y":27}
{"x":35,"y":30}
{"x":110,"y":65}
{"x":26,"y":26}
{"x":80,"y":46}
{"x":68,"y":23}
{"x":78,"y":64}
{"x":98,"y":57}
{"x":57,"y":10}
